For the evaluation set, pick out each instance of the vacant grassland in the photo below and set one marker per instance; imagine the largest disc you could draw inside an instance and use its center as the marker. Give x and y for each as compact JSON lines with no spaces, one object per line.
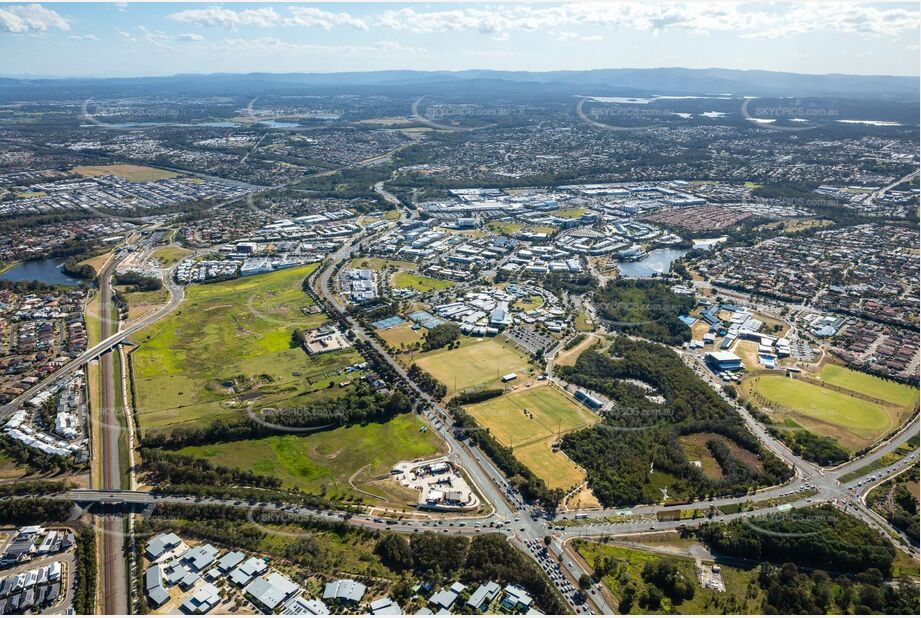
{"x":325,"y":461}
{"x":134,"y":173}
{"x":169,"y":255}
{"x":871,"y":386}
{"x":855,"y":422}
{"x":230,"y":344}
{"x":418,"y":282}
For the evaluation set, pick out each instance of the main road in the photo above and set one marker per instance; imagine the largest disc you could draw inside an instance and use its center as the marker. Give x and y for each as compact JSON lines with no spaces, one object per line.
{"x":114,"y":580}
{"x":522,"y":523}
{"x":108,"y":342}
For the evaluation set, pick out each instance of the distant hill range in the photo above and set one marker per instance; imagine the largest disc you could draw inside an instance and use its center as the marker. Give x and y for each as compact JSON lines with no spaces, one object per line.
{"x":510,"y":84}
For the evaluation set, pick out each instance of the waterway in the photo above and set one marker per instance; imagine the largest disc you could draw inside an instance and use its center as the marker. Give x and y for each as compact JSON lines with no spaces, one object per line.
{"x":658,"y":261}
{"x":43,"y":271}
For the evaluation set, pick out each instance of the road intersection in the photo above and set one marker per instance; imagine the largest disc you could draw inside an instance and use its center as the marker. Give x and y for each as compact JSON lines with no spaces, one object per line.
{"x":527,"y":526}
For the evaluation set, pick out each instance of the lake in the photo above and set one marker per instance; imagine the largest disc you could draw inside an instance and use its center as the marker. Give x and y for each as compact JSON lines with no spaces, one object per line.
{"x":44,"y":271}
{"x":658,"y":261}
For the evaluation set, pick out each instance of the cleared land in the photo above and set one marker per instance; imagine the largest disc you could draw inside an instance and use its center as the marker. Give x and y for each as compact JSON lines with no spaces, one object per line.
{"x":478,"y":364}
{"x":505,"y":227}
{"x":568,"y":358}
{"x":230,"y":344}
{"x":401,"y":335}
{"x":571,"y":213}
{"x":632,"y":561}
{"x":142,"y":303}
{"x":325,"y":461}
{"x":696,"y":449}
{"x":582,"y":323}
{"x":98,"y":262}
{"x":134,"y":173}
{"x":530,"y":421}
{"x":9,"y":470}
{"x":418,"y":282}
{"x":380,"y":264}
{"x":167,"y":256}
{"x":529,"y":303}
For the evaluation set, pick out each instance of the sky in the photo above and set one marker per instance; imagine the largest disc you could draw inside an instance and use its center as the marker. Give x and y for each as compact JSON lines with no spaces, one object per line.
{"x":158,"y":38}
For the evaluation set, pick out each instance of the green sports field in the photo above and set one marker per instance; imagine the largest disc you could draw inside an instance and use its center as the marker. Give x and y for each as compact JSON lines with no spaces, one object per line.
{"x":325,"y":461}
{"x":418,"y":282}
{"x":550,"y":413}
{"x":854,"y":422}
{"x":871,"y":386}
{"x":477,"y":364}
{"x":237,"y":332}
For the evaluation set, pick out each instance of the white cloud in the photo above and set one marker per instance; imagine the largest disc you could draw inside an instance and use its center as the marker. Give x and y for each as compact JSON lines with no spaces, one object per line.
{"x":311,"y":17}
{"x":306,"y":17}
{"x":85,"y":37}
{"x":273,"y":45}
{"x":158,"y":38}
{"x":771,"y":22}
{"x":219,"y":17}
{"x":575,"y":36}
{"x":30,"y":18}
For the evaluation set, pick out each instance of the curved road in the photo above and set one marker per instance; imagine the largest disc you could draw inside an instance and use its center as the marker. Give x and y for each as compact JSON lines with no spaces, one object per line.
{"x":519,"y":521}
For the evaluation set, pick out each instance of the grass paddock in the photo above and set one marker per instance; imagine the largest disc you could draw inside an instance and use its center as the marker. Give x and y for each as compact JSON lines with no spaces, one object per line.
{"x":550,"y":414}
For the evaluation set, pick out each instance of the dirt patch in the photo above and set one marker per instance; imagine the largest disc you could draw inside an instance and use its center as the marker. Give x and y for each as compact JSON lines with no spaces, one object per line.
{"x":568,"y":357}
{"x":583,"y":499}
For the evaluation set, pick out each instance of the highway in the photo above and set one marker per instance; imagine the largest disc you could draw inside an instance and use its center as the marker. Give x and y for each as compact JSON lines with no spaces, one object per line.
{"x":526,"y":526}
{"x":177,"y":293}
{"x":114,"y":582}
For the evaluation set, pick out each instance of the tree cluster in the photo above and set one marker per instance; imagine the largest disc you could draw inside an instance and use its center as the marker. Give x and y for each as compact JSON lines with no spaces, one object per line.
{"x":485,"y":557}
{"x":85,"y":559}
{"x":442,"y":335}
{"x":138,"y":281}
{"x":24,"y":511}
{"x":427,"y":382}
{"x":789,"y":591}
{"x":645,"y":308}
{"x":820,"y":537}
{"x":639,"y":433}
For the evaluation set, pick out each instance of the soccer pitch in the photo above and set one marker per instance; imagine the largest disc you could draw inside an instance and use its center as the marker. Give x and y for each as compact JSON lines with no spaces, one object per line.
{"x":853,"y":421}
{"x":477,"y":364}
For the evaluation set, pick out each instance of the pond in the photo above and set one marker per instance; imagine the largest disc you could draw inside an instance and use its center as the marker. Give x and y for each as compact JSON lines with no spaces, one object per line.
{"x":43,"y":271}
{"x":658,"y":261}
